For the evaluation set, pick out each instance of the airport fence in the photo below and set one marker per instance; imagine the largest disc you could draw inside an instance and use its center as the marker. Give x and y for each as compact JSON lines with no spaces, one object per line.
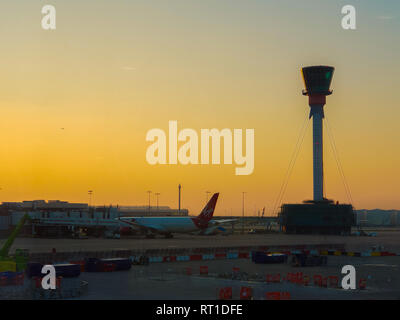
{"x":181,"y":254}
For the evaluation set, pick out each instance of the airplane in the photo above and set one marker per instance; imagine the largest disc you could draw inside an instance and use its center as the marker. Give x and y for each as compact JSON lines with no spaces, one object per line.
{"x":166,"y":226}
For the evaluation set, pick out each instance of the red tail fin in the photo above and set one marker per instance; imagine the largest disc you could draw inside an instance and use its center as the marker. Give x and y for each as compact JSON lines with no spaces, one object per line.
{"x":208,"y":211}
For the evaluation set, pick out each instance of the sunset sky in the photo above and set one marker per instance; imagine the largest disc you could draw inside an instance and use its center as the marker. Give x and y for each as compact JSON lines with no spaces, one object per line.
{"x":77,"y":102}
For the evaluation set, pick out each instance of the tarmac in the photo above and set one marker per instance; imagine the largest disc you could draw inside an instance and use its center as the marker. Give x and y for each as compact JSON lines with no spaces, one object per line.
{"x":169,"y":280}
{"x":161,"y":281}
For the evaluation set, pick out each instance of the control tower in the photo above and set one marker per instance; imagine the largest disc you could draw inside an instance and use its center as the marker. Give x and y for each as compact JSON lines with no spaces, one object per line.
{"x":317,"y":81}
{"x":320,"y":215}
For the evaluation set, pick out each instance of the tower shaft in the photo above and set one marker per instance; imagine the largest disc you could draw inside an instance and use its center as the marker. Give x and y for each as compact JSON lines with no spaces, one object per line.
{"x":317,"y":113}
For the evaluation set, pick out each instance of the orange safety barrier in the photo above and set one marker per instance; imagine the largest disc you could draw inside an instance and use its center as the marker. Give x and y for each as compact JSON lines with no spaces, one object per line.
{"x":273,"y":278}
{"x":285,"y":295}
{"x":294,"y":277}
{"x":235,"y":269}
{"x":58,"y":282}
{"x":388,"y":254}
{"x":306,"y":280}
{"x":19,"y":279}
{"x":203,"y":270}
{"x":109,"y":267}
{"x":38,"y":282}
{"x":169,"y":258}
{"x":246,"y":293}
{"x":225,"y":293}
{"x":324,"y":282}
{"x":298,"y":278}
{"x":362,"y":284}
{"x":244,"y":255}
{"x":333,"y":281}
{"x":3,"y":281}
{"x":276,"y":278}
{"x":317,"y":280}
{"x":273,"y":295}
{"x":277,"y":295}
{"x":195,"y":257}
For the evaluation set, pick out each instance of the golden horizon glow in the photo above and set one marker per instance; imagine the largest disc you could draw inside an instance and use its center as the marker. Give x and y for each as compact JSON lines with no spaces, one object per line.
{"x":77,"y":102}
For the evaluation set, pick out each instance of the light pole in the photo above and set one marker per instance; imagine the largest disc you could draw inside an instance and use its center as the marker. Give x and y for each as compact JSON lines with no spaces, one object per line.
{"x":90,"y":192}
{"x":149,"y":192}
{"x":243,"y":193}
{"x":179,"y":199}
{"x":157,"y":194}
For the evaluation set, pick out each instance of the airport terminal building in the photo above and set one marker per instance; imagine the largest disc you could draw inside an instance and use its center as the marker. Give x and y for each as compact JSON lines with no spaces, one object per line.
{"x":63,"y":219}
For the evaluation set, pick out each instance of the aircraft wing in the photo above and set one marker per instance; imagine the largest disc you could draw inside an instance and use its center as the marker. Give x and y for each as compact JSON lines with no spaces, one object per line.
{"x":222,"y":221}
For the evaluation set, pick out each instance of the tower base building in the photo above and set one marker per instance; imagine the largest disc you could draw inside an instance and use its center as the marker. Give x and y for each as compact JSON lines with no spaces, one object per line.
{"x":324,"y":217}
{"x":320,"y":216}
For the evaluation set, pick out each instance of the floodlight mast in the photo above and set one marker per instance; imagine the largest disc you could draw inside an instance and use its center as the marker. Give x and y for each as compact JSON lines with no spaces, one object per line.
{"x":317,"y":80}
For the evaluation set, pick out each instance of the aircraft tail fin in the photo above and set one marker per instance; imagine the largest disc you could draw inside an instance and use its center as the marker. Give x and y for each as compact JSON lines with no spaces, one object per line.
{"x":208,"y":211}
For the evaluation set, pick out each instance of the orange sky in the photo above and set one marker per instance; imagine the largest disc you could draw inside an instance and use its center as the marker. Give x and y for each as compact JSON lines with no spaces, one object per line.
{"x":77,"y":102}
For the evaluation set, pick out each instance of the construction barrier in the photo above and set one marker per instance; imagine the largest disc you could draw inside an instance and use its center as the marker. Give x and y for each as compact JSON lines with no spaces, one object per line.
{"x":225,"y":293}
{"x":182,"y":258}
{"x":324,"y":282}
{"x":246,"y":293}
{"x":38,"y":282}
{"x":306,"y":280}
{"x":8,"y":266}
{"x":243,"y":255}
{"x":156,"y":259}
{"x":387,"y":254}
{"x":208,"y":257}
{"x":333,"y":281}
{"x":11,"y":278}
{"x":295,"y":277}
{"x":276,"y":295}
{"x":195,"y":254}
{"x":169,"y":259}
{"x":195,"y":257}
{"x":276,"y":278}
{"x":354,"y":254}
{"x":58,"y":282}
{"x":317,"y":280}
{"x":273,"y":278}
{"x":362,"y":284}
{"x":108,"y":267}
{"x":156,"y":255}
{"x":232,"y":255}
{"x":3,"y":280}
{"x":203,"y":270}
